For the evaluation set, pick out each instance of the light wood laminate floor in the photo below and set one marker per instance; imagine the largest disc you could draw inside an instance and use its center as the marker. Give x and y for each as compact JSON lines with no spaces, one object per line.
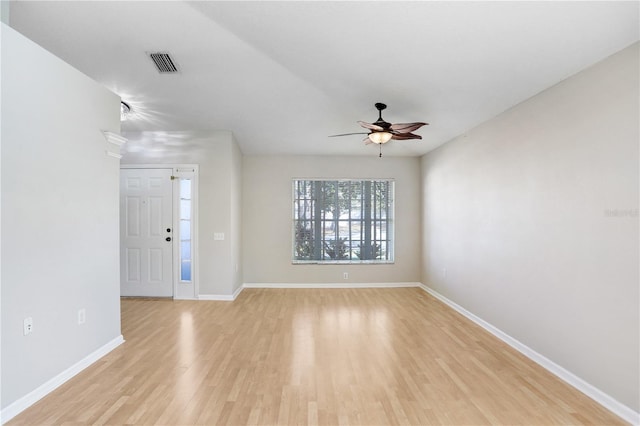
{"x":311,"y":356}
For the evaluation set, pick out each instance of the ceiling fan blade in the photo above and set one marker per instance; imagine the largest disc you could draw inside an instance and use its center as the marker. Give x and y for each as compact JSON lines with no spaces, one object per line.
{"x":371,"y":126}
{"x":367,"y":141}
{"x":405,"y":136}
{"x":407,"y":127}
{"x":348,"y":134}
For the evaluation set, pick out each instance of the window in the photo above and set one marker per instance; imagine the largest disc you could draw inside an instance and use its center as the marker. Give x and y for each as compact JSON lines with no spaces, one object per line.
{"x":342,"y":221}
{"x":185,"y":229}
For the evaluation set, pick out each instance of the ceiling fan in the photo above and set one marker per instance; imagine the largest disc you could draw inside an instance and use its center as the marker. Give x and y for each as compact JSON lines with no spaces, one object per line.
{"x":381,"y":132}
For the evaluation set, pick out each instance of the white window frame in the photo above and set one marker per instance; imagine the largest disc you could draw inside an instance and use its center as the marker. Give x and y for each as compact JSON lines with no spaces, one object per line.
{"x":191,"y":173}
{"x":391,"y":228}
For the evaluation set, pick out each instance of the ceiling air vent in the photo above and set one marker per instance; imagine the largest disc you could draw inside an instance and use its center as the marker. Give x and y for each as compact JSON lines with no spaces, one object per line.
{"x":164,"y":63}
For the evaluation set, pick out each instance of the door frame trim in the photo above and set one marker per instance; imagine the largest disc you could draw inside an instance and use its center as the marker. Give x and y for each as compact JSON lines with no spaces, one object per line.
{"x":176,"y":224}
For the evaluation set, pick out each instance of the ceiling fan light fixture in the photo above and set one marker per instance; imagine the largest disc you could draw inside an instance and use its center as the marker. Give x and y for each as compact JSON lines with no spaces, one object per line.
{"x":125,"y":110}
{"x":380,"y":137}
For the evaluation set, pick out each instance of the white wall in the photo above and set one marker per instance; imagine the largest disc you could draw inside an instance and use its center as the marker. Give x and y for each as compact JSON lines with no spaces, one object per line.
{"x":267,"y":216}
{"x":530,"y":221}
{"x":217,"y":155}
{"x":59,"y":216}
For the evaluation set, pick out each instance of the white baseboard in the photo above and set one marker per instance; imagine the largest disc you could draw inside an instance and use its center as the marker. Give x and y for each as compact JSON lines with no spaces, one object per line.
{"x":222,"y":297}
{"x":232,"y":297}
{"x":591,"y":391}
{"x":216,"y":297}
{"x":49,"y":386}
{"x":331,"y":285}
{"x":237,"y":292}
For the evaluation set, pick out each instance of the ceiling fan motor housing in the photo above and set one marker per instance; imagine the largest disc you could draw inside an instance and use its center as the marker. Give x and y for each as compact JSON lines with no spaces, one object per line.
{"x":380,"y":122}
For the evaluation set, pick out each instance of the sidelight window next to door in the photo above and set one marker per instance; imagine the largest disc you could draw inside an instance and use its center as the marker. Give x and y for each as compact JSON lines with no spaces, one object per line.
{"x":186,"y":229}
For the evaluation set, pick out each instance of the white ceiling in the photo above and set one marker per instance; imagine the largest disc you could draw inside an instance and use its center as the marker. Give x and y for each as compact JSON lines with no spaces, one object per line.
{"x":282,"y":76}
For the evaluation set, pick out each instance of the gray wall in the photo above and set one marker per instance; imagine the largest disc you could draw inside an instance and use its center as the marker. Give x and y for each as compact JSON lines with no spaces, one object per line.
{"x":59,"y":216}
{"x":530,"y":221}
{"x":267,"y":218}
{"x":236,"y":217}
{"x":217,"y":155}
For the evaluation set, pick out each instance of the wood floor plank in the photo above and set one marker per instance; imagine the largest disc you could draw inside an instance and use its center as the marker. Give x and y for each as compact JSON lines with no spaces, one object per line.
{"x":311,"y":357}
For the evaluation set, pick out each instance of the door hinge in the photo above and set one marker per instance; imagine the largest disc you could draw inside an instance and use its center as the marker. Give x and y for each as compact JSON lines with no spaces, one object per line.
{"x":174,"y":177}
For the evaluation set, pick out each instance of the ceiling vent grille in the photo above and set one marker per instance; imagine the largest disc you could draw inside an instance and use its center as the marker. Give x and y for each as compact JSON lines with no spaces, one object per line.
{"x":164,"y":63}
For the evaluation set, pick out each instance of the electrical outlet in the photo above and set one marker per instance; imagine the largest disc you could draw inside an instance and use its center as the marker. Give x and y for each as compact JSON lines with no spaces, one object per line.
{"x":28,"y":325}
{"x":345,"y":275}
{"x":82,"y":316}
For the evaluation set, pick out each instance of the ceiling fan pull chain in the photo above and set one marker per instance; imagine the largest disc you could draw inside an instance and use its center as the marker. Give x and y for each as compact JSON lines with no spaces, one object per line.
{"x":380,"y":145}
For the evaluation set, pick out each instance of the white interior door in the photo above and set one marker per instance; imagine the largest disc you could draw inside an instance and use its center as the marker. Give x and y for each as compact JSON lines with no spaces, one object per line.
{"x":146,"y":232}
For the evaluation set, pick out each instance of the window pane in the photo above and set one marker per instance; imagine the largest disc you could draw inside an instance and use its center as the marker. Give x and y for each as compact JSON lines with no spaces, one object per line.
{"x":185,"y":209}
{"x":185,"y":270}
{"x":185,"y":250}
{"x":185,"y":230}
{"x":185,"y":189}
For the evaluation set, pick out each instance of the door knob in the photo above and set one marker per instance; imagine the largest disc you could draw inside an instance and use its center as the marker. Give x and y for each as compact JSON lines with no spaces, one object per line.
{"x":168,"y":239}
